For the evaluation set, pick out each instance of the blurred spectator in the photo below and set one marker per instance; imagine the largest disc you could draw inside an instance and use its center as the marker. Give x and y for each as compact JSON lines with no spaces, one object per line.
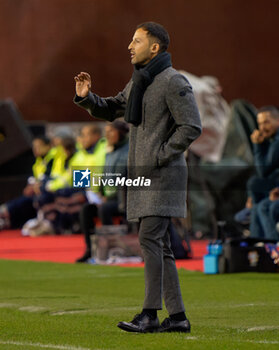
{"x":16,"y":212}
{"x":111,"y":201}
{"x":58,"y":201}
{"x":244,"y":215}
{"x":90,"y":152}
{"x":91,"y":139}
{"x":268,"y":215}
{"x":266,"y":154}
{"x":59,"y":134}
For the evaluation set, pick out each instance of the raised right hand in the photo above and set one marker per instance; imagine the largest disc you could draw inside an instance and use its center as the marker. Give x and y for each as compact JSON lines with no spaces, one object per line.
{"x":83,"y":84}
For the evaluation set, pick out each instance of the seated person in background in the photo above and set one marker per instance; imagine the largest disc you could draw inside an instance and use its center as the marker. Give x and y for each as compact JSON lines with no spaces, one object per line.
{"x":266,"y":155}
{"x":91,"y":151}
{"x":45,"y":155}
{"x":92,"y":142}
{"x":244,"y":215}
{"x":16,"y":212}
{"x":267,"y":215}
{"x":59,"y":134}
{"x":59,"y":201}
{"x":112,"y":200}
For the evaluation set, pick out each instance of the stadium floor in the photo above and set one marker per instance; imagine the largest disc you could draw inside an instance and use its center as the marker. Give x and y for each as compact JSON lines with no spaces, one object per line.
{"x":65,"y":249}
{"x":48,"y":305}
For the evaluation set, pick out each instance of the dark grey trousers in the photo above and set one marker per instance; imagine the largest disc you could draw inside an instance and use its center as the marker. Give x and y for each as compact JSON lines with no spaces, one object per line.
{"x":161,"y":278}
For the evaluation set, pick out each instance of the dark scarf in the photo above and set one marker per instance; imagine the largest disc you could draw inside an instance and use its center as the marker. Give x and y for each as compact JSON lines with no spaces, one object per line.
{"x":142,"y":77}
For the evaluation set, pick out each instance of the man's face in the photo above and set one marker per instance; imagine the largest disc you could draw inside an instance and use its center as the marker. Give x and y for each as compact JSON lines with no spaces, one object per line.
{"x":142,"y":48}
{"x":267,"y":124}
{"x":39,"y":148}
{"x":112,"y":135}
{"x":88,"y":138}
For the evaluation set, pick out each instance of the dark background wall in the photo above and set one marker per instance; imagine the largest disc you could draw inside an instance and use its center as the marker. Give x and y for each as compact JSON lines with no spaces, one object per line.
{"x":44,"y":43}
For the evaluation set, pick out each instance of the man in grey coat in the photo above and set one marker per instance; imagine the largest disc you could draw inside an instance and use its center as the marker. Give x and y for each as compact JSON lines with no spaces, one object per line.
{"x":159,"y":103}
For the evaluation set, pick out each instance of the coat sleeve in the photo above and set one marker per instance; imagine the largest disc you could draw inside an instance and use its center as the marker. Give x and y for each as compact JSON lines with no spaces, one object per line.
{"x":108,"y":108}
{"x":183,"y":108}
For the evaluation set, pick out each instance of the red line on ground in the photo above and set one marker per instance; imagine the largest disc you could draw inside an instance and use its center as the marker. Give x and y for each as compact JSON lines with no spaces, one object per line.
{"x":66,"y":249}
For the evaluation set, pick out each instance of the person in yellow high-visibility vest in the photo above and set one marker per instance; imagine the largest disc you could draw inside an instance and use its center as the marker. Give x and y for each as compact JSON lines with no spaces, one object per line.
{"x":112,"y":200}
{"x":16,"y":212}
{"x":59,"y":201}
{"x":90,"y":153}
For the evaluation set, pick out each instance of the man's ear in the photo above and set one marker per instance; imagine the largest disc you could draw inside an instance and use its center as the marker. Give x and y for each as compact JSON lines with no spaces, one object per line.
{"x":155,"y":48}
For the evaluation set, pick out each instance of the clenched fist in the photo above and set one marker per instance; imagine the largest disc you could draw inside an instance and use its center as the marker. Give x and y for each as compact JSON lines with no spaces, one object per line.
{"x":257,"y":137}
{"x":83,"y":84}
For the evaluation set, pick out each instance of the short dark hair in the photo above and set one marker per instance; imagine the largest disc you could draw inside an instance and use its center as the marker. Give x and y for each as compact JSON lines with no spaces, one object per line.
{"x":69,"y":144}
{"x":121,"y":127}
{"x":42,"y":138}
{"x":94,"y":128}
{"x":157,"y":31}
{"x":273,"y":110}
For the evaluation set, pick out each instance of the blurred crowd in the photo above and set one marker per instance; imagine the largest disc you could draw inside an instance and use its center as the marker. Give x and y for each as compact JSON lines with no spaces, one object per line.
{"x":50,"y":203}
{"x":237,"y":152}
{"x":261,"y":212}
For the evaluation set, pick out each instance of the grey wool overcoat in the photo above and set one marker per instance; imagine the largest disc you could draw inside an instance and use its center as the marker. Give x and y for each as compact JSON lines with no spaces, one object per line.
{"x":170,"y":122}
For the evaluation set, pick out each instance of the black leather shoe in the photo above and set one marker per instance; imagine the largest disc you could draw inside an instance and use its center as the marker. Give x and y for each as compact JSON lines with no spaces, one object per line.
{"x":169,"y":325}
{"x":142,"y":323}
